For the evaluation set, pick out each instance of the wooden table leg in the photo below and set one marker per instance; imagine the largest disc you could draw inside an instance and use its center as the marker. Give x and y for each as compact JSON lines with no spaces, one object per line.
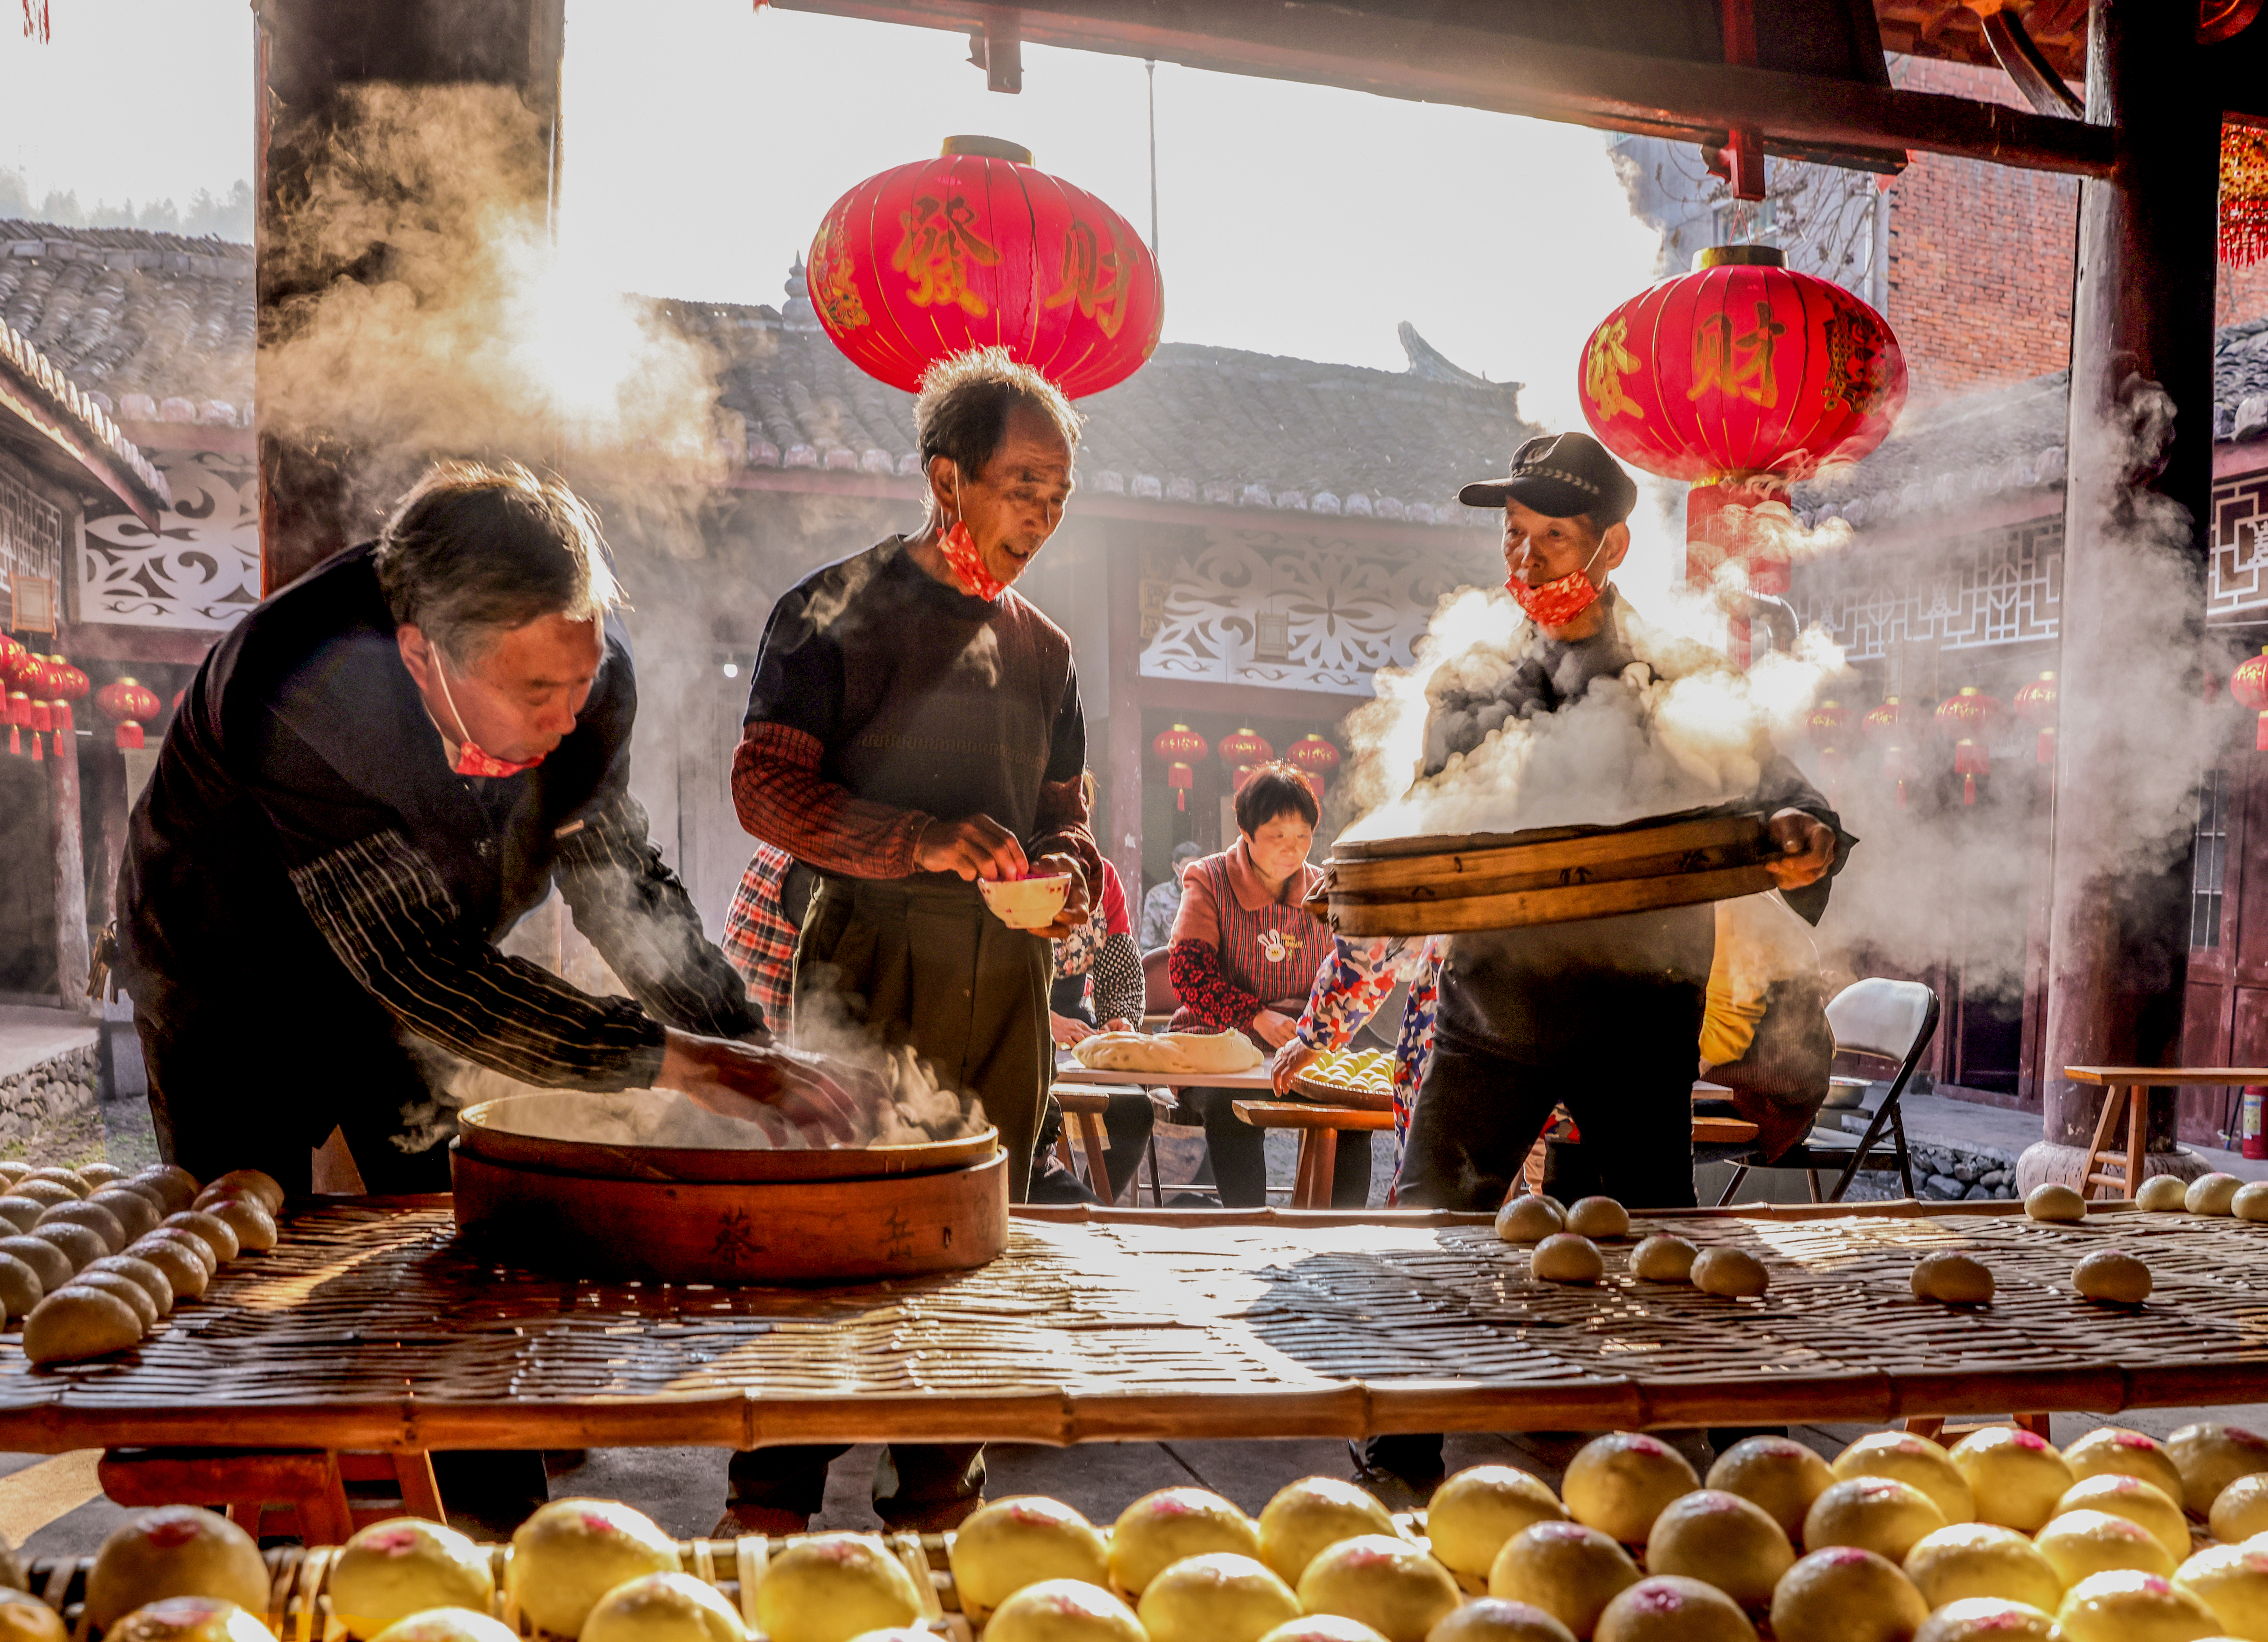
{"x":1327,"y":1163}
{"x":1098,"y":1172}
{"x":2106,"y":1125}
{"x":420,"y":1489}
{"x":1303,"y":1178}
{"x":2138,"y":1137}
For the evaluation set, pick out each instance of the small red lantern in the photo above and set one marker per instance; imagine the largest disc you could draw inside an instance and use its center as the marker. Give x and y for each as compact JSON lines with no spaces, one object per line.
{"x":980,"y":248}
{"x":2036,"y":704}
{"x":1181,"y":747}
{"x":13,"y":655}
{"x":1968,"y":717}
{"x":19,"y":719}
{"x":1245,"y":751}
{"x":1895,"y":723}
{"x":1742,"y":377}
{"x":128,"y":705}
{"x":1828,"y":724}
{"x":2249,"y":685}
{"x":69,"y":685}
{"x":1315,"y":758}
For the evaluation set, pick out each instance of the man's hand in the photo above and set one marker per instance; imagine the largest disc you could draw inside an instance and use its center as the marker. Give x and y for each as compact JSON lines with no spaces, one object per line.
{"x":1068,"y":1030}
{"x":1275,"y":1030}
{"x":827,"y":1100}
{"x":1076,"y":899}
{"x":1290,"y":1060}
{"x":979,"y":847}
{"x":1806,"y":846}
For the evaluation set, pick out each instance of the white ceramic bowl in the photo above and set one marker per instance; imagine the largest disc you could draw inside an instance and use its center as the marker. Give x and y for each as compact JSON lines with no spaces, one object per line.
{"x":1027,"y":904}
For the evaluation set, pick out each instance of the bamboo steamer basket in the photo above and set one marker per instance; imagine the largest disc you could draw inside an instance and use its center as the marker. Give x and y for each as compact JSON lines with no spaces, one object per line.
{"x":703,"y":1214}
{"x":1452,"y":885}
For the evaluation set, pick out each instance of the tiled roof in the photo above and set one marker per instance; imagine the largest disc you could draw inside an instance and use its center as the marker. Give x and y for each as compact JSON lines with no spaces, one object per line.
{"x":155,"y":326}
{"x":2010,"y":439}
{"x":1196,"y":424}
{"x":160,"y":328}
{"x":63,"y":422}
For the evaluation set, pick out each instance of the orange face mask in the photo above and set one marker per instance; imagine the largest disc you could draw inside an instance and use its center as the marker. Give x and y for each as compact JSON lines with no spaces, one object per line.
{"x":471,"y":760}
{"x":1561,"y":599}
{"x":968,"y":565}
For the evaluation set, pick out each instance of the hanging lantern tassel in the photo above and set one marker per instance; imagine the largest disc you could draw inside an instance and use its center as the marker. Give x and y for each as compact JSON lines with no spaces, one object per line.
{"x":1970,"y":761}
{"x":2249,"y":684}
{"x":1181,"y":777}
{"x":2243,"y":195}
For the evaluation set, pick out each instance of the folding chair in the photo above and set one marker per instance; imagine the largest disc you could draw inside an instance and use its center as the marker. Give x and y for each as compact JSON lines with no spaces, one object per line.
{"x":1879,"y":1019}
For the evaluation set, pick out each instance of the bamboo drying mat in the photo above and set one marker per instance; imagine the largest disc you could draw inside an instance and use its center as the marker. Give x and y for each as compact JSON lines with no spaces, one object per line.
{"x":368,"y":1328}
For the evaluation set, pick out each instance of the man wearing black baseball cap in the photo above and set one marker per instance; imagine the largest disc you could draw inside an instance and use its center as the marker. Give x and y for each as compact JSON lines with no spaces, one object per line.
{"x":1603,"y":1014}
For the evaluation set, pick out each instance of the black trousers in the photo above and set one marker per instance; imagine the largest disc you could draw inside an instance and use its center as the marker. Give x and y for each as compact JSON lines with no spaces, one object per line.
{"x":913,"y":1481}
{"x":1240,"y":1164}
{"x":1479,"y":1111}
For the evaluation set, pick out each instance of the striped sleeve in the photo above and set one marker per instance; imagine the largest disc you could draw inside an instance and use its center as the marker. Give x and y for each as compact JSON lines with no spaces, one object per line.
{"x":634,"y":909}
{"x":389,"y":917}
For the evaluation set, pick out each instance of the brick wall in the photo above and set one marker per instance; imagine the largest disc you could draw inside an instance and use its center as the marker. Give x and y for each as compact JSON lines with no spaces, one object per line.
{"x":1980,"y":270}
{"x":1981,"y":257}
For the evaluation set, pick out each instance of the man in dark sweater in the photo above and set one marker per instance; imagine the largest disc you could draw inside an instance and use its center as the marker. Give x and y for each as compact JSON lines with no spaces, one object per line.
{"x":914,"y":726}
{"x":370,"y":781}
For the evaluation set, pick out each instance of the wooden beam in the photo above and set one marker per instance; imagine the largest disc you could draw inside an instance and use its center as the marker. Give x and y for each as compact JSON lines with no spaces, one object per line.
{"x":1801,"y":116}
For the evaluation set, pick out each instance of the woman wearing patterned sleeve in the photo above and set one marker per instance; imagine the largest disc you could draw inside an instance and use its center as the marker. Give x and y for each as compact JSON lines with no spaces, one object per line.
{"x":1101,"y":950}
{"x":1244,"y":955}
{"x":1353,"y":982}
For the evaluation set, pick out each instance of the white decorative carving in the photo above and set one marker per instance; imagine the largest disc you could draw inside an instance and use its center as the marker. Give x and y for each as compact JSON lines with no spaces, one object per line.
{"x":1350,"y":613}
{"x":2003,"y":588}
{"x":199,"y":570}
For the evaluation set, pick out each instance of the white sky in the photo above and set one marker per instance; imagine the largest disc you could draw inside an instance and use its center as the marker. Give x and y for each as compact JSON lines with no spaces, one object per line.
{"x":705,"y":138}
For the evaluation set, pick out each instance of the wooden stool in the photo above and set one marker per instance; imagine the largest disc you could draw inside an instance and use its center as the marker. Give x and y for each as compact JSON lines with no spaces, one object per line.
{"x":1319,"y":1128}
{"x":298,"y":1491}
{"x":1082,"y":1110}
{"x":1933,"y":1426}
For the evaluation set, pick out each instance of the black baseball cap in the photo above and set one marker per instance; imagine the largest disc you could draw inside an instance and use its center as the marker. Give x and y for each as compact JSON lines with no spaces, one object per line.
{"x":1559,"y":476}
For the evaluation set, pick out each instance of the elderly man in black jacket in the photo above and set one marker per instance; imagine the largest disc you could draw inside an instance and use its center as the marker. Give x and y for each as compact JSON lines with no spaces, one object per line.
{"x":372,"y":779}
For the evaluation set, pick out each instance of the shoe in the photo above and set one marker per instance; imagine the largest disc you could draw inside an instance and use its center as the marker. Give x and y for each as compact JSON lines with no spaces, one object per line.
{"x":1055,"y":1183}
{"x":932,"y":1519}
{"x":761,"y":1521}
{"x":1398,"y":1490}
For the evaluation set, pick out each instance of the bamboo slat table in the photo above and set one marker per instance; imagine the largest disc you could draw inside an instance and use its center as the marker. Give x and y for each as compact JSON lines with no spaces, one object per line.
{"x":372,"y":1328}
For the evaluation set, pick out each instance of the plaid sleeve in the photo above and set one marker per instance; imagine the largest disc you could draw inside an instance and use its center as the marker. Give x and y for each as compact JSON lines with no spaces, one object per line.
{"x":386,"y":911}
{"x":781,"y":798}
{"x":637,"y":913}
{"x":759,"y":941}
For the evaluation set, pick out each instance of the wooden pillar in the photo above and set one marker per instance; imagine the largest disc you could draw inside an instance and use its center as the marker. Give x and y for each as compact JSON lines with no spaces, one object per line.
{"x":316,"y":494}
{"x":2142,"y":310}
{"x":1123,"y":613}
{"x":71,"y":950}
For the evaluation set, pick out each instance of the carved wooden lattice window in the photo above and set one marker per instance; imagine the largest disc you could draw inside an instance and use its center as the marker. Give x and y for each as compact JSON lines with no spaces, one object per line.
{"x":30,"y":538}
{"x":2209,"y":864}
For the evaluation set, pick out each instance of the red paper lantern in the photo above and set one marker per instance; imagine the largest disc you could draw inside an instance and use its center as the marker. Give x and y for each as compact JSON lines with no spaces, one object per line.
{"x":128,"y":705}
{"x":69,"y":685}
{"x":1315,"y":758}
{"x":1828,"y":724}
{"x":1245,"y":751}
{"x":1967,"y":718}
{"x":2036,"y":704}
{"x":1181,"y":748}
{"x":13,"y":658}
{"x":19,"y":719}
{"x":1895,"y":723}
{"x":1742,"y":377}
{"x":980,"y":248}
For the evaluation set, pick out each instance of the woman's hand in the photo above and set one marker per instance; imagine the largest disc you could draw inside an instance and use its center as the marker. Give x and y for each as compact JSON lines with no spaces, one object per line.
{"x":1068,"y":1030}
{"x":1290,"y":1060}
{"x":1119,"y":1025}
{"x":1275,"y":1030}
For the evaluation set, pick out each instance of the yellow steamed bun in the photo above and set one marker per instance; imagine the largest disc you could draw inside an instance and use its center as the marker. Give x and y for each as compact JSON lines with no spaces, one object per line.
{"x":1492,"y":1619}
{"x":1218,"y":1597}
{"x":2233,"y":1581}
{"x":391,"y":1570}
{"x":1876,"y":1513}
{"x":1723,"y":1540}
{"x":1845,"y":1595}
{"x":1324,"y":1628}
{"x":1473,"y":1514}
{"x":2242,"y":1510}
{"x":2210,"y":1457}
{"x":2084,"y":1543}
{"x":2016,"y":1475}
{"x":1161,"y":1528}
{"x":571,"y":1552}
{"x":1778,"y":1473}
{"x":2114,"y":1451}
{"x":1064,"y":1610}
{"x":188,"y":1619}
{"x":447,"y":1624}
{"x":174,"y":1551}
{"x":1569,"y":1571}
{"x":1619,"y":1483}
{"x":1974,"y":1560}
{"x":830,"y":1586}
{"x":1911,"y":1459}
{"x":26,"y":1618}
{"x":1019,"y":1540}
{"x":1385,"y":1581}
{"x":2138,"y":1501}
{"x":663,"y":1608}
{"x":1987,"y":1619}
{"x":1671,"y":1608}
{"x":2130,"y":1606}
{"x":1310,"y":1516}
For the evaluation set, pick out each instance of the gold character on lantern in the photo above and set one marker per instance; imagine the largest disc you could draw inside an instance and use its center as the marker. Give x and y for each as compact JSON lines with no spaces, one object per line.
{"x":1605,"y":364}
{"x":941,"y":240}
{"x":1855,"y":375}
{"x":1739,"y":365}
{"x":828,"y":278}
{"x":1093,"y":268}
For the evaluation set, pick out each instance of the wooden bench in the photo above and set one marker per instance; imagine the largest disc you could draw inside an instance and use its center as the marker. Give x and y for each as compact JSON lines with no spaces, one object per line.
{"x":1319,"y":1128}
{"x":1082,"y":1112}
{"x":2127,"y":1099}
{"x":299,"y":1491}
